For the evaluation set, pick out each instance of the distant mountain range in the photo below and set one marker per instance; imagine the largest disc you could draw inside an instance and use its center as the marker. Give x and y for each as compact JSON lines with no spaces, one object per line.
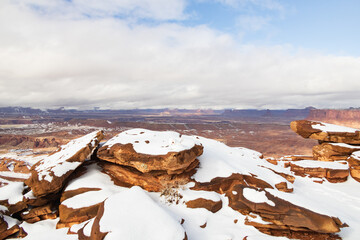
{"x":348,"y":116}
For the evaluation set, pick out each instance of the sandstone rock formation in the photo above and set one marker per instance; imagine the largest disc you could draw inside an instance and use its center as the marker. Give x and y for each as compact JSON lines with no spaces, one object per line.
{"x":9,"y":227}
{"x":48,"y":175}
{"x":333,"y":151}
{"x":354,"y":162}
{"x":167,"y":151}
{"x":194,"y":186}
{"x":337,"y":143}
{"x":326,"y":132}
{"x":333,"y":172}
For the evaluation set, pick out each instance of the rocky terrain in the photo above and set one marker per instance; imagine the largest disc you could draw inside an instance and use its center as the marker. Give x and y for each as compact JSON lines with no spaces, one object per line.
{"x":132,"y":184}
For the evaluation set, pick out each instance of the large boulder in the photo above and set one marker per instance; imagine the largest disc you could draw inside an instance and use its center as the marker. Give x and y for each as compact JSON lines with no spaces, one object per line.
{"x":326,"y":132}
{"x":83,"y":195}
{"x":155,"y":181}
{"x":149,"y":151}
{"x":48,"y":176}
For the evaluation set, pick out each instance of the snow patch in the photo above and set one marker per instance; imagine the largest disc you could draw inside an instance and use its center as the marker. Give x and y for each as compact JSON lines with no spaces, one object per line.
{"x":132,"y":214}
{"x":257,"y":196}
{"x":327,"y":127}
{"x":57,"y":164}
{"x":321,"y":164}
{"x":153,"y":142}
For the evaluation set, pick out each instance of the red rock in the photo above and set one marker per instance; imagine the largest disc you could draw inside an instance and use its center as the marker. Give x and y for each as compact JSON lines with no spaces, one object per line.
{"x":9,"y":227}
{"x":36,"y":214}
{"x":155,"y":181}
{"x":212,"y":206}
{"x":354,"y":163}
{"x":173,"y":162}
{"x":48,"y":176}
{"x":332,"y":174}
{"x":284,"y":216}
{"x":334,"y":133}
{"x":333,"y":151}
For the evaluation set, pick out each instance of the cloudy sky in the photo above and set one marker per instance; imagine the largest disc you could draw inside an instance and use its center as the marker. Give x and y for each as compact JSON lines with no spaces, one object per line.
{"x":180,"y":53}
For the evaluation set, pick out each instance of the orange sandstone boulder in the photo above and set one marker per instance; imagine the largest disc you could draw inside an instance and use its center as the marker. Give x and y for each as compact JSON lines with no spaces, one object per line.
{"x":149,"y":151}
{"x":333,"y":151}
{"x":155,"y":181}
{"x":49,"y":175}
{"x":326,"y":132}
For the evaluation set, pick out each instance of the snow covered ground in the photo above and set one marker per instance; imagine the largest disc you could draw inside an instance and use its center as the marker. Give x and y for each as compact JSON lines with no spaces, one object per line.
{"x":136,"y":214}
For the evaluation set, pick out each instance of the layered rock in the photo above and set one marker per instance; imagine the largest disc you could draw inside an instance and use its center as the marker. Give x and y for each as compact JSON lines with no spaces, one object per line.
{"x":49,"y":175}
{"x":326,"y":132}
{"x":332,"y":171}
{"x":48,"y":211}
{"x":337,"y":143}
{"x":151,"y":151}
{"x":84,"y":194}
{"x":150,"y":159}
{"x":10,"y":227}
{"x":354,"y":162}
{"x":333,"y":151}
{"x":275,"y":213}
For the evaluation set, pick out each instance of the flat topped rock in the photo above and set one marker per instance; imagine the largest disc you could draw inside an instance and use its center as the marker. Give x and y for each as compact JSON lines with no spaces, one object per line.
{"x":148,"y":150}
{"x":49,"y":174}
{"x":326,"y":132}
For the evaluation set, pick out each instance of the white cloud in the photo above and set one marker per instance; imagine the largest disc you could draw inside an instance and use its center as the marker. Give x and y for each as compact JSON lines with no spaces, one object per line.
{"x":115,"y":63}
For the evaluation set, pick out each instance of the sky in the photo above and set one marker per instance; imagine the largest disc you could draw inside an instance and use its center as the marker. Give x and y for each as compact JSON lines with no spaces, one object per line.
{"x":123,"y":54}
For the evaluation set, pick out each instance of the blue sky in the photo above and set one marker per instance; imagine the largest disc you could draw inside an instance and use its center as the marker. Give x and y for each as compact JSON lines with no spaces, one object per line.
{"x":179,"y":53}
{"x":326,"y":26}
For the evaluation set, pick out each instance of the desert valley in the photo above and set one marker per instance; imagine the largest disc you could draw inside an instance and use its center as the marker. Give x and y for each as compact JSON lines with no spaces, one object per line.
{"x":204,"y":174}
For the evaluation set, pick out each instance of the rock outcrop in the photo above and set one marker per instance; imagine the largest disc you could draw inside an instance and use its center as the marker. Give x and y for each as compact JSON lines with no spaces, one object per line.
{"x":146,"y":180}
{"x":326,"y":132}
{"x":48,"y":175}
{"x":149,"y":151}
{"x":337,"y":143}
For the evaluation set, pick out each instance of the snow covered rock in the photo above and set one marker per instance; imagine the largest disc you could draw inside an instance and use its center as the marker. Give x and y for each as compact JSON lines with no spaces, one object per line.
{"x":251,"y":197}
{"x":155,"y":181}
{"x":10,"y":227}
{"x":326,"y":132}
{"x":132,"y":214}
{"x":48,"y":175}
{"x":48,"y":211}
{"x":83,"y":195}
{"x":11,"y":198}
{"x":149,"y":151}
{"x":333,"y":151}
{"x":354,"y":162}
{"x":333,"y":171}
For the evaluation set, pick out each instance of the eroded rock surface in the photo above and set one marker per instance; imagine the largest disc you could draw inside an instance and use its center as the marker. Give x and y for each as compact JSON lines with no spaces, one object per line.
{"x":48,"y":175}
{"x":326,"y":132}
{"x":151,"y":151}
